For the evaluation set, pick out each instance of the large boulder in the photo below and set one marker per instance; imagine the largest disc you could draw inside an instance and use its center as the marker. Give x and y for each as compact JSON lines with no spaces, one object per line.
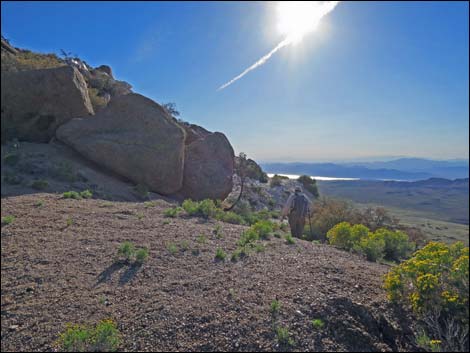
{"x":133,"y":137}
{"x":36,"y":102}
{"x":208,"y":168}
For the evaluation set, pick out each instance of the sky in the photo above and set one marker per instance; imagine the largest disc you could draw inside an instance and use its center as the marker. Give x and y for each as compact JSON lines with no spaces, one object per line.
{"x":376,"y":79}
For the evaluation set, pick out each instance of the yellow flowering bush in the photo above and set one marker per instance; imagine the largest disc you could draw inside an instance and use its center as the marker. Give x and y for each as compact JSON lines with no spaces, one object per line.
{"x":434,"y":282}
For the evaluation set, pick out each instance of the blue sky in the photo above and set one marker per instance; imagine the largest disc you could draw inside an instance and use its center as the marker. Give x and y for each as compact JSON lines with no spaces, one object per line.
{"x":376,"y":78}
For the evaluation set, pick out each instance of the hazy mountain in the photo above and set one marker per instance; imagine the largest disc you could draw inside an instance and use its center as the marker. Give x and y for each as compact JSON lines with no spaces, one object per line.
{"x":398,"y":169}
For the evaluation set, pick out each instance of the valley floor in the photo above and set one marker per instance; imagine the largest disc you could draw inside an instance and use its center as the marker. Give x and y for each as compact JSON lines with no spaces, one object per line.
{"x":58,"y":266}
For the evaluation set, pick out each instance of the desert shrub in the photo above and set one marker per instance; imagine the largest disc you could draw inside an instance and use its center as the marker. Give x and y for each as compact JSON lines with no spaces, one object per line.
{"x":172,"y":248}
{"x":201,"y":239}
{"x":86,"y":194}
{"x":318,"y":324}
{"x":371,"y":246}
{"x":71,"y":195}
{"x":126,"y":250}
{"x":289,"y":239}
{"x":434,"y":283}
{"x":220,"y":254}
{"x":239,"y":253}
{"x":28,"y":60}
{"x":205,"y":208}
{"x":172,"y":212}
{"x":393,"y":245}
{"x":275,"y":307}
{"x":340,"y":236}
{"x":7,"y":219}
{"x":11,"y":159}
{"x":141,"y":255}
{"x":309,"y":184}
{"x":230,"y":217}
{"x":263,"y":228}
{"x":40,"y":184}
{"x":327,"y":213}
{"x":247,"y":237}
{"x":283,"y":336}
{"x":397,"y":245}
{"x":103,"y":337}
{"x":184,"y":246}
{"x":276,"y":180}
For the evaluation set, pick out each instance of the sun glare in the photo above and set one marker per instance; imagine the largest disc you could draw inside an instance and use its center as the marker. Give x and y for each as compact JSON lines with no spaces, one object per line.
{"x":297,"y":18}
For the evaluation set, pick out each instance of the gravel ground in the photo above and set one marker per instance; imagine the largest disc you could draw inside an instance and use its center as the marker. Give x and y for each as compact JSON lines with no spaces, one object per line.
{"x":58,"y":266}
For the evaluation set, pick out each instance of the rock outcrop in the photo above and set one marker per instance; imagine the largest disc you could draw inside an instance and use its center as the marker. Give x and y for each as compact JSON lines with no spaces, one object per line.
{"x":135,"y":138}
{"x":36,"y":102}
{"x":208,"y":168}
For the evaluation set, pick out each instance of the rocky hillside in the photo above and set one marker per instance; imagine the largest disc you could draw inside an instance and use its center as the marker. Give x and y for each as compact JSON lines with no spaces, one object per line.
{"x":45,"y":98}
{"x":58,"y":267}
{"x":67,"y":126}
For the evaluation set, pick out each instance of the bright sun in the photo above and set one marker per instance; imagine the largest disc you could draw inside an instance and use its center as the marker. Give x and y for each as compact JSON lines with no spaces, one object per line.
{"x":297,"y":18}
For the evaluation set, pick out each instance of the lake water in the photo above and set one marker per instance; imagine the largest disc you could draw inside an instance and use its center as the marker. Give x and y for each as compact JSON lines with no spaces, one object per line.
{"x":316,"y":177}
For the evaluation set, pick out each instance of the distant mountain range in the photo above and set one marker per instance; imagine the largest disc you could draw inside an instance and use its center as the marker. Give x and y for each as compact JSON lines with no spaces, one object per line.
{"x":408,"y":169}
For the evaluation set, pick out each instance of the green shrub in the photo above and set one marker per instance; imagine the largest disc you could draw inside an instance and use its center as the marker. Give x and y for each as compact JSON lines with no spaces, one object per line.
{"x":69,"y":222}
{"x":71,"y":195}
{"x":259,"y":247}
{"x":172,"y":248}
{"x":247,"y":237}
{"x":205,"y":208}
{"x":275,"y":307}
{"x":397,"y":245}
{"x":7,"y":219}
{"x":283,"y":336}
{"x":126,"y":250}
{"x":11,"y":159}
{"x":104,"y":337}
{"x":184,"y":245}
{"x":40,"y":184}
{"x":263,"y":228}
{"x":141,"y":255}
{"x":393,"y":245}
{"x":239,"y":253}
{"x":318,"y":324}
{"x":172,"y":212}
{"x":86,"y":194}
{"x":289,"y":239}
{"x":434,"y":282}
{"x":220,"y":254}
{"x":218,"y":231}
{"x":372,"y":247}
{"x":340,"y":236}
{"x":201,"y":239}
{"x":230,"y":217}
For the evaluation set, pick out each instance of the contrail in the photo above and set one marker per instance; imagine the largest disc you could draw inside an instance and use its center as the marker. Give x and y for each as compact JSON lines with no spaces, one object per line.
{"x":256,"y":64}
{"x":326,"y":8}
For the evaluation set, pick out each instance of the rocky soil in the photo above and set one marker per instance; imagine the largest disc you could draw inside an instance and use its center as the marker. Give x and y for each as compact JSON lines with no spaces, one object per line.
{"x":58,"y":266}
